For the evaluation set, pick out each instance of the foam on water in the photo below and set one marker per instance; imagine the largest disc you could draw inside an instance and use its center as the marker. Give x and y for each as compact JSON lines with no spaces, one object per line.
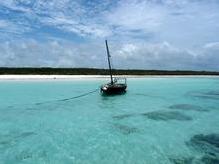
{"x":158,"y":120}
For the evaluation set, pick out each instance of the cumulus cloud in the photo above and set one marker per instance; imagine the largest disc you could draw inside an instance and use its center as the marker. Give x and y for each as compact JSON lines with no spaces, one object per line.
{"x":156,"y":56}
{"x":51,"y":53}
{"x":60,"y":53}
{"x":151,"y":34}
{"x":166,"y":56}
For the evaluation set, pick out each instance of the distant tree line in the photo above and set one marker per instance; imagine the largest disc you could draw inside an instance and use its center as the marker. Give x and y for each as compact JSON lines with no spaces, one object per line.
{"x":94,"y":71}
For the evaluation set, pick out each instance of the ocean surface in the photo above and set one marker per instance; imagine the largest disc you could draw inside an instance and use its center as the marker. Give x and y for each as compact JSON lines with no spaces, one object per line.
{"x":157,"y":121}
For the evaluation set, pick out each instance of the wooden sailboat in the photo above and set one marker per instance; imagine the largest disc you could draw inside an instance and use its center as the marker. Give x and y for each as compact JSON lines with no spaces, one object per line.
{"x":116,"y":85}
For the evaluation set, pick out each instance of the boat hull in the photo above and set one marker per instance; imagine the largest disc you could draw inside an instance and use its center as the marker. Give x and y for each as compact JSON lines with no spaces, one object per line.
{"x":113,"y":89}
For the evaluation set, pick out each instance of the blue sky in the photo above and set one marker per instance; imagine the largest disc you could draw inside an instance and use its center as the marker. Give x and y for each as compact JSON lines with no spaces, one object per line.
{"x":149,"y":34}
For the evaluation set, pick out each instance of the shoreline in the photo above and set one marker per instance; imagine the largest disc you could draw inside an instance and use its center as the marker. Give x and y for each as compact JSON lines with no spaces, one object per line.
{"x":88,"y":77}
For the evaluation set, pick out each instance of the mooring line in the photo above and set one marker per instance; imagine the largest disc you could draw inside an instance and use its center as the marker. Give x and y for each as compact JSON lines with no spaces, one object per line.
{"x":57,"y":100}
{"x":67,"y":99}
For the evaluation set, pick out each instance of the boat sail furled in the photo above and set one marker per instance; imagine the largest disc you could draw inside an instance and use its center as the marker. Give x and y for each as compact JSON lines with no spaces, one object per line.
{"x":116,"y":85}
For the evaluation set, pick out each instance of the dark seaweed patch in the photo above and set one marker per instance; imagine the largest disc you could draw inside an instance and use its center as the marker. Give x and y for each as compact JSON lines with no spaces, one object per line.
{"x":183,"y":160}
{"x":25,"y":134}
{"x":28,"y":154}
{"x":7,"y":140}
{"x":31,"y":108}
{"x":206,"y":159}
{"x":123,"y":116}
{"x":205,"y":95}
{"x":215,"y":93}
{"x":10,"y":106}
{"x":167,"y":115}
{"x":188,"y":107}
{"x":23,"y":155}
{"x":124,"y":129}
{"x":209,"y":159}
{"x":207,"y":144}
{"x":209,"y":140}
{"x":5,"y":143}
{"x":148,"y":95}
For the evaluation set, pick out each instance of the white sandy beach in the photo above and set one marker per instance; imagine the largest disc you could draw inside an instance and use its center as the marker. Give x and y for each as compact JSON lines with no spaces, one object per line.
{"x":48,"y":77}
{"x":84,"y":77}
{"x":61,"y":77}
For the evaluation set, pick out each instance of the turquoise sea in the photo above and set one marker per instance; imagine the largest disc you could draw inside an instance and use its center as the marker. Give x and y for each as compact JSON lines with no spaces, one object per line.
{"x":160,"y":120}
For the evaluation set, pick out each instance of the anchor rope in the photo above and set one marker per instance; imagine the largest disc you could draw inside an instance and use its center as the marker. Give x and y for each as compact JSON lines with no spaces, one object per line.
{"x":67,"y":99}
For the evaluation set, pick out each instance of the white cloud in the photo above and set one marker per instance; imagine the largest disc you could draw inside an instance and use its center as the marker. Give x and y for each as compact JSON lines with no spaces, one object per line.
{"x":136,"y":15}
{"x":152,"y":34}
{"x":65,"y":15}
{"x":11,"y":27}
{"x":177,"y":21}
{"x":3,"y":24}
{"x":155,"y":56}
{"x":59,"y":53}
{"x":50,"y":54}
{"x":213,"y":45}
{"x":127,"y":50}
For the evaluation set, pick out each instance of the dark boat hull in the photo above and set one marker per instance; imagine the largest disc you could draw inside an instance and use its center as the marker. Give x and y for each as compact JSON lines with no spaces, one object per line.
{"x":113,"y":89}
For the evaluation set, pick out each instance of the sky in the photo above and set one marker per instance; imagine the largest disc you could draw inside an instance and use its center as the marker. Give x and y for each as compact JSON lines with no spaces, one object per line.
{"x":142,"y":34}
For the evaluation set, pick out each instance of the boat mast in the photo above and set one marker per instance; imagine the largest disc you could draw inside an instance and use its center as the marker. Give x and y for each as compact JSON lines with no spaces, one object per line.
{"x":108,"y":56}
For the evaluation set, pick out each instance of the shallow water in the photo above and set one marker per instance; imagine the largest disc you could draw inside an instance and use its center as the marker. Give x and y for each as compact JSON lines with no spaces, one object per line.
{"x":158,"y":120}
